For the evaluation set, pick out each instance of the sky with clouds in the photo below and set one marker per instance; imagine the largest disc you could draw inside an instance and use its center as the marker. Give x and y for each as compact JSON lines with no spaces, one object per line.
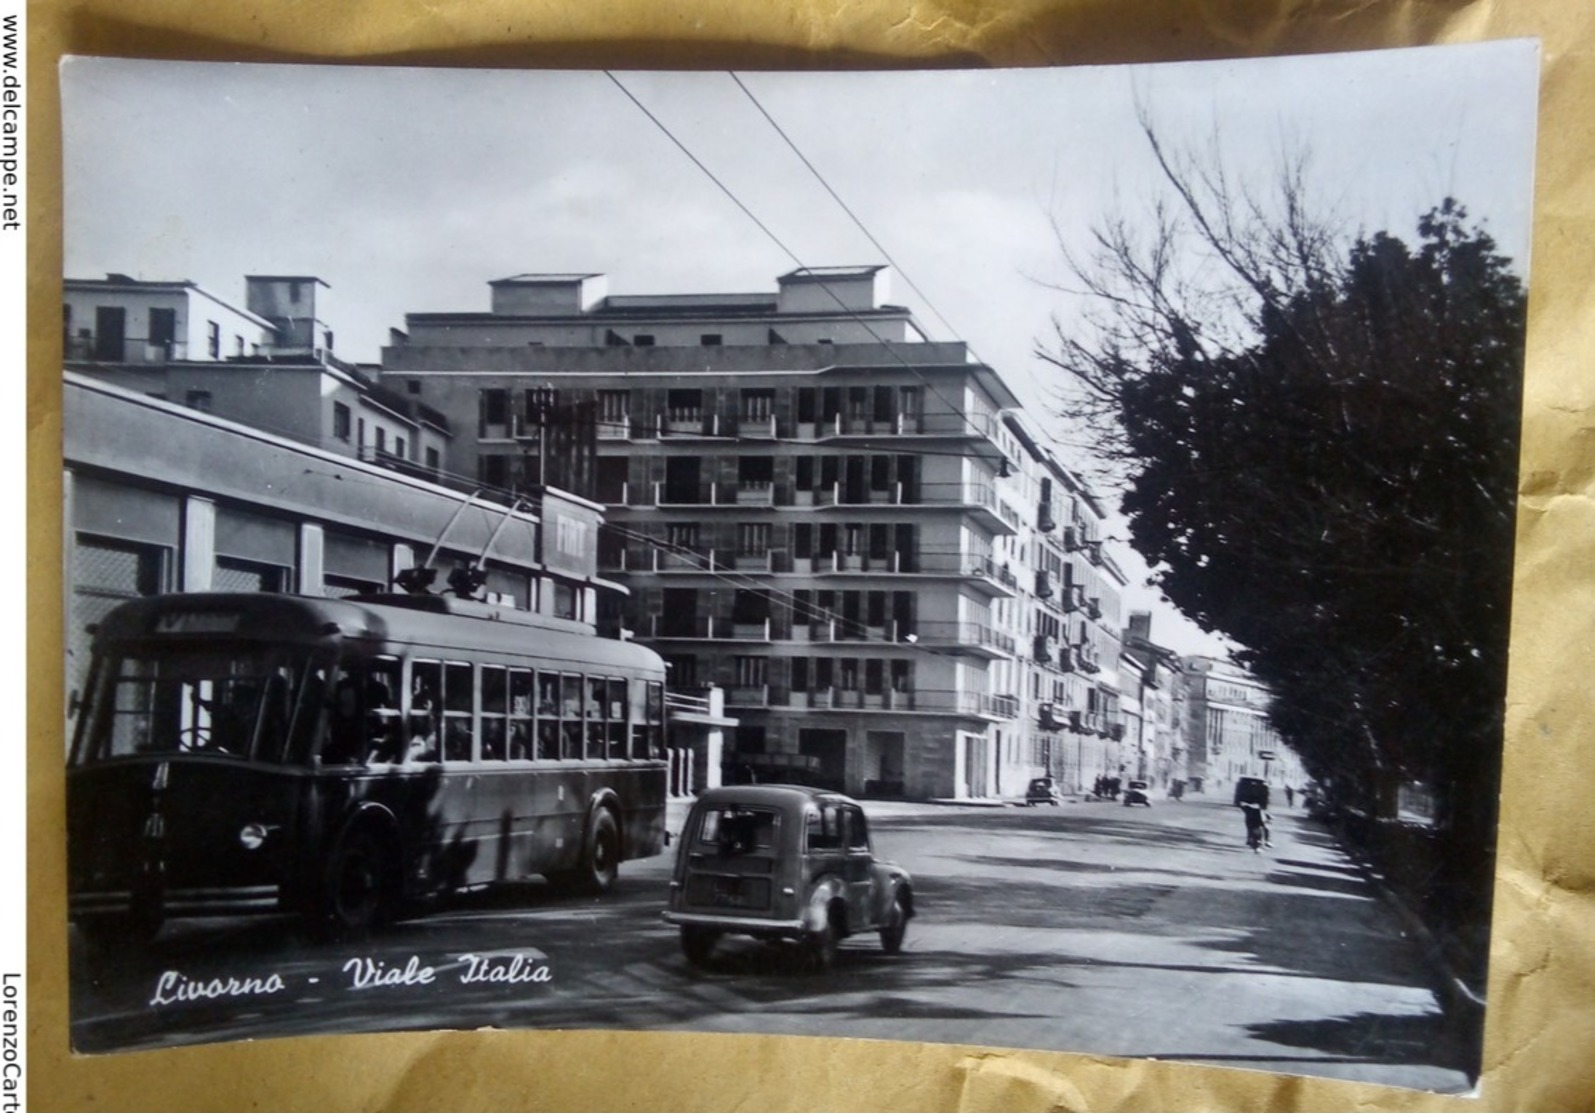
{"x":407,"y":190}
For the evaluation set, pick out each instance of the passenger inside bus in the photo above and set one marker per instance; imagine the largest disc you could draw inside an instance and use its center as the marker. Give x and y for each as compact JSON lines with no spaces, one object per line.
{"x":423,"y":719}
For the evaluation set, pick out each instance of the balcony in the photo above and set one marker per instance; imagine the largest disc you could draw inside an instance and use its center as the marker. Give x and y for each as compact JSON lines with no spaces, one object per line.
{"x":970,"y":637}
{"x":980,"y":499}
{"x":995,"y":579}
{"x":681,"y":422}
{"x":745,"y":630}
{"x":614,"y":428}
{"x":761,"y":562}
{"x":891,"y":699}
{"x":757,"y":427}
{"x":688,"y":628}
{"x":758,"y":696}
{"x":757,"y":493}
{"x":857,"y":426}
{"x":684,"y":495}
{"x":666,"y":562}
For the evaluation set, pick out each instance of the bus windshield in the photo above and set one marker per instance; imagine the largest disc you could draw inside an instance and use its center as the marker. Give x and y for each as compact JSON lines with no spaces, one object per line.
{"x":228,"y":701}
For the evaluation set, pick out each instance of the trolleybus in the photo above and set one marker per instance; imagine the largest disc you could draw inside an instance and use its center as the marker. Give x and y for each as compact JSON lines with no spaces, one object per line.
{"x":339,"y":759}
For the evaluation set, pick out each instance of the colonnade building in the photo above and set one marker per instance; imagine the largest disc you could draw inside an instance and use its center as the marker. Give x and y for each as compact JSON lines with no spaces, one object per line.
{"x":847,"y":526}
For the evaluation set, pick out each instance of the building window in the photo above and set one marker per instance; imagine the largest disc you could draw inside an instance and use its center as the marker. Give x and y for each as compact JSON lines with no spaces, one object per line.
{"x":236,"y":575}
{"x":565,"y":601}
{"x":751,"y":670}
{"x":614,"y":406}
{"x":753,"y":539}
{"x":382,"y":440}
{"x":643,"y":340}
{"x":493,"y":405}
{"x":757,"y":404}
{"x":163,"y":329}
{"x":213,"y":340}
{"x":750,"y":607}
{"x":110,"y":333}
{"x":398,"y":447}
{"x":238,"y":345}
{"x":342,"y":421}
{"x":413,"y":387}
{"x":432,"y":462}
{"x":755,"y":473}
{"x":683,"y":536}
{"x":712,"y":339}
{"x":198,"y":399}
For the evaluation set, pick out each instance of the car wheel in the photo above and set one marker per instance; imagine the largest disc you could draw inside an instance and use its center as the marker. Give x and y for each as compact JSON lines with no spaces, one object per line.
{"x":895,"y":927}
{"x":698,"y":943}
{"x":822,"y":945}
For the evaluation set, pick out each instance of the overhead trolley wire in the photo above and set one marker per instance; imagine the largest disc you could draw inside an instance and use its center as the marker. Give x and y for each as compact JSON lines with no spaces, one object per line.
{"x":793,"y":256}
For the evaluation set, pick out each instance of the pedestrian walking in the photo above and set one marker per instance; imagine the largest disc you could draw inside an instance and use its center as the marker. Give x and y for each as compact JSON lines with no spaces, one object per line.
{"x":1256,"y":825}
{"x":1290,"y":796}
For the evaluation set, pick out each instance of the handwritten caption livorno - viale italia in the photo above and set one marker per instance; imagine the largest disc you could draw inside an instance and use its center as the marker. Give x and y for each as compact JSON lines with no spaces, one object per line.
{"x":357,"y":975}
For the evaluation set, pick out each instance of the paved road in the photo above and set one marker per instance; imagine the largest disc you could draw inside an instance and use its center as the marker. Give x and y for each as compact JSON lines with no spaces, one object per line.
{"x":1088,"y":927}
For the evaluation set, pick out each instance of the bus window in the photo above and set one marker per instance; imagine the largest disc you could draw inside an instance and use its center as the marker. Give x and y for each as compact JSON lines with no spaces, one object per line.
{"x":495,"y":699}
{"x":458,"y":702}
{"x":616,"y":689}
{"x":197,"y":701}
{"x":520,"y":727}
{"x":363,"y":723}
{"x":656,"y":721}
{"x":597,"y":731}
{"x":570,"y":718}
{"x":547,"y":716}
{"x":426,"y":685}
{"x":276,"y":715}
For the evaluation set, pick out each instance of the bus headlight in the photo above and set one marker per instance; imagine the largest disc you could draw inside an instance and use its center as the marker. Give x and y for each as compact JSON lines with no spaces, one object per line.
{"x":253,"y":836}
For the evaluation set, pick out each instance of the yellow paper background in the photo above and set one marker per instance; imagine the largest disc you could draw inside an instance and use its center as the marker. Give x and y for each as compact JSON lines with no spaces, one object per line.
{"x":1540,"y":1042}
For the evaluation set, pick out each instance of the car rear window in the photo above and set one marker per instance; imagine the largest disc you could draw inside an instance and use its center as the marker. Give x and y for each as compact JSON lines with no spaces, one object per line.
{"x":734,"y":830}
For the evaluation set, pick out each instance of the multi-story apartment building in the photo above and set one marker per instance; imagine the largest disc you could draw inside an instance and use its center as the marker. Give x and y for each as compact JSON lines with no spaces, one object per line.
{"x":1066,"y":616}
{"x":1228,"y":731}
{"x":270,"y":365}
{"x":814,"y":507}
{"x":1152,"y":679}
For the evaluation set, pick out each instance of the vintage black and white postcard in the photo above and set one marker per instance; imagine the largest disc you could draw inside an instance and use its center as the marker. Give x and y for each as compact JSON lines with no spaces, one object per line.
{"x":1015,"y":557}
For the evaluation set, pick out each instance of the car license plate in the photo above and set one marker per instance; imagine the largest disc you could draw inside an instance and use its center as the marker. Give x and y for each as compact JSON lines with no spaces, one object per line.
{"x":728,"y":892}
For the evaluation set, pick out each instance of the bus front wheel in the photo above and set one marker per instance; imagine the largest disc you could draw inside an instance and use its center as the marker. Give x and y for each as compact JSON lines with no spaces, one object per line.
{"x":357,"y":893}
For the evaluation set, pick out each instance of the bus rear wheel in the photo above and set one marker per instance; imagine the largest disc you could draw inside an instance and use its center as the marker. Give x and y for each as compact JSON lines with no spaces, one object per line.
{"x":357,"y":896}
{"x":600,"y":857}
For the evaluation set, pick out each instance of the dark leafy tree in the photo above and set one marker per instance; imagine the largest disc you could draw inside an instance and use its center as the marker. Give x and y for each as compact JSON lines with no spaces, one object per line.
{"x":1316,"y":441}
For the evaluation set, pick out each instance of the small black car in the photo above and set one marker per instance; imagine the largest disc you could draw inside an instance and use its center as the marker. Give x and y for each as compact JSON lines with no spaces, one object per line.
{"x":1136,"y":794}
{"x":1043,"y":790}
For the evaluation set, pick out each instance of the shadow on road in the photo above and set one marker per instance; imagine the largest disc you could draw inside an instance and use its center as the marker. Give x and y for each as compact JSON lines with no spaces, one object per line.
{"x":1371,"y":1038}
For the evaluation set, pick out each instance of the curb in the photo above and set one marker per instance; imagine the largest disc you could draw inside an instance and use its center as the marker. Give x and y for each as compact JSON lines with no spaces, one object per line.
{"x":1458,"y":1001}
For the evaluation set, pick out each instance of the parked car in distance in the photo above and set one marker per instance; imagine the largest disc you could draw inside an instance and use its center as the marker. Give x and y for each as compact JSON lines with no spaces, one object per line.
{"x":1135,"y":794}
{"x":779,"y":862}
{"x":1043,"y":790}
